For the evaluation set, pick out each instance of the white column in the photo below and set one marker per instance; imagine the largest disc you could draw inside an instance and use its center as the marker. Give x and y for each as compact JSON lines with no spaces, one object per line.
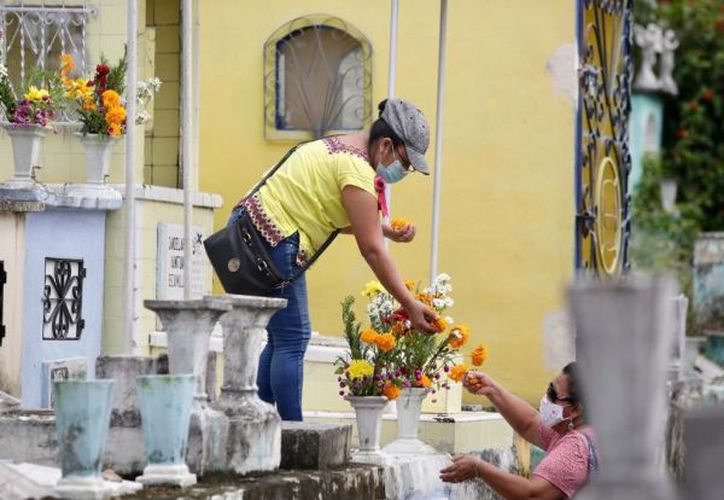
{"x":132,"y":305}
{"x":437,"y":171}
{"x":187,"y":133}
{"x":392,"y":80}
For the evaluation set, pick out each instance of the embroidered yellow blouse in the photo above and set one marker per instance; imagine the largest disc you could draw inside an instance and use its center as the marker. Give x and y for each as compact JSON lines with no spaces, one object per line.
{"x":305,"y":194}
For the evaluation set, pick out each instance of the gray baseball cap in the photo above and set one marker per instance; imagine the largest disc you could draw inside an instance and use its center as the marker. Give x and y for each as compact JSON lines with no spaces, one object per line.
{"x":411,"y":126}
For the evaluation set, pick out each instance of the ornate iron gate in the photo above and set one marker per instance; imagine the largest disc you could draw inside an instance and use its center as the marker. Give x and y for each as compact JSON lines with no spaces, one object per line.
{"x":603,"y":161}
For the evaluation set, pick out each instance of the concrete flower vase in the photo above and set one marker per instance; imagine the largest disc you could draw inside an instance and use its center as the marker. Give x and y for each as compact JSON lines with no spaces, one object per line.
{"x":408,"y":422}
{"x":83,"y":410}
{"x":368,"y":412}
{"x":165,"y":402}
{"x":98,"y":149}
{"x":26,"y":141}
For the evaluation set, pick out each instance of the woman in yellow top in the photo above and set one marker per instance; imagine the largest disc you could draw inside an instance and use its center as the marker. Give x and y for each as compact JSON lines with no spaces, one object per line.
{"x":324,"y":186}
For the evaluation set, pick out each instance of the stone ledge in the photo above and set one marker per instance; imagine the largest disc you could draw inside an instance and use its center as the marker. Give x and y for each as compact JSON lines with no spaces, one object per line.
{"x":308,"y":445}
{"x":171,"y":195}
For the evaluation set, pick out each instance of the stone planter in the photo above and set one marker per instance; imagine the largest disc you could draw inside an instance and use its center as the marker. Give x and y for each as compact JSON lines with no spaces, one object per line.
{"x":165,"y":402}
{"x":254,"y":432}
{"x":408,"y":420}
{"x":368,"y":412}
{"x":98,"y":149}
{"x":26,"y":142}
{"x":83,"y":410}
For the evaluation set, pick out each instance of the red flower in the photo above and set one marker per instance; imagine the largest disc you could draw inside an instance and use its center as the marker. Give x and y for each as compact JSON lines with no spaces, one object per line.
{"x":708,"y":95}
{"x":102,"y":70}
{"x":682,"y":133}
{"x":694,"y":106}
{"x":400,"y":315}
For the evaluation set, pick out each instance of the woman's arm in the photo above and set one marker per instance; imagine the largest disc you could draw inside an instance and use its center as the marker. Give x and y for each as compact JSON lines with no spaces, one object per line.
{"x":509,"y":486}
{"x":521,"y":416}
{"x":361,"y":209}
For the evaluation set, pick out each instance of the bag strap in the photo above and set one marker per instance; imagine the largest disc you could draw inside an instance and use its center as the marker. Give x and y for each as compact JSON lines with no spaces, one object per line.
{"x":324,"y":245}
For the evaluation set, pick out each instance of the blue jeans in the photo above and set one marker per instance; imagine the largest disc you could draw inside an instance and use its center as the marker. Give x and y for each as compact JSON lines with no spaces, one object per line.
{"x":281,"y":366}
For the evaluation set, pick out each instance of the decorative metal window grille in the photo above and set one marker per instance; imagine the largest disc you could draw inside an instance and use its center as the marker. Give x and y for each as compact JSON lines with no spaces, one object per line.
{"x":317,"y":78}
{"x":35,"y":34}
{"x":603,"y":160}
{"x":3,"y":279}
{"x":63,"y":299}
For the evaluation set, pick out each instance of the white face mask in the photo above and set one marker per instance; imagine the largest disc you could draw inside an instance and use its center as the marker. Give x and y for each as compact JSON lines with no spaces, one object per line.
{"x":550,"y":413}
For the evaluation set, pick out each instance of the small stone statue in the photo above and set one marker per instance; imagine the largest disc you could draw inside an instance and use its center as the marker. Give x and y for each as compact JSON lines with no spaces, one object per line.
{"x":650,"y":41}
{"x":669,"y":43}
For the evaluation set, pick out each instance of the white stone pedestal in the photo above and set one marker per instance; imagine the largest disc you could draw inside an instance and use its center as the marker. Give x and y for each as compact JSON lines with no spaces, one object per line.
{"x":82,"y":488}
{"x":188,"y":325}
{"x":175,"y":475}
{"x":408,"y":419}
{"x":253,"y":442}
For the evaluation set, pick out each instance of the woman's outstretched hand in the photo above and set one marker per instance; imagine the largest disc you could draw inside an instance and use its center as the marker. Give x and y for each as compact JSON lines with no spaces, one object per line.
{"x":478,"y":383}
{"x":421,"y":317}
{"x":404,"y":234}
{"x":464,"y":467}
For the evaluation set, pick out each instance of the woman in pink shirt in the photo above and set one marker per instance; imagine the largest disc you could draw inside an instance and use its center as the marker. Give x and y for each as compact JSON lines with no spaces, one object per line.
{"x":558,"y":427}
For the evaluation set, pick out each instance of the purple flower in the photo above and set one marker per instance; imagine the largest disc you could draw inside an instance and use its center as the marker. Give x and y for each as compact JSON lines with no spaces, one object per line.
{"x":341,"y":393}
{"x":446,"y":368}
{"x":437,"y":376}
{"x":342,"y":384}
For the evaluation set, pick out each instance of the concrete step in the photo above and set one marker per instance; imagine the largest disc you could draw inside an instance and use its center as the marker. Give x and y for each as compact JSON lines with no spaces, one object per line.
{"x":315,"y":445}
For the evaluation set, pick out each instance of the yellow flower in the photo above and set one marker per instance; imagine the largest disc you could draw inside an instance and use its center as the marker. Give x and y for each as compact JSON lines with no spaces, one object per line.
{"x":439,"y":324}
{"x":399,"y":223}
{"x":116,"y":115}
{"x":479,"y":355}
{"x":36,"y":94}
{"x":369,"y":336}
{"x":425,"y":298}
{"x":426,"y":382}
{"x":78,"y":89}
{"x":66,"y":65}
{"x":410,"y":285}
{"x":111,"y":99}
{"x":459,"y":335}
{"x":457,"y":373}
{"x":372,"y":288}
{"x":360,"y":368}
{"x":391,"y":391}
{"x":385,"y":342}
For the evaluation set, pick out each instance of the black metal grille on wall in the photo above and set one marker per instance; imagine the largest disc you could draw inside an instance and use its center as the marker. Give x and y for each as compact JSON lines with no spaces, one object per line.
{"x":63,"y":299}
{"x":3,"y":279}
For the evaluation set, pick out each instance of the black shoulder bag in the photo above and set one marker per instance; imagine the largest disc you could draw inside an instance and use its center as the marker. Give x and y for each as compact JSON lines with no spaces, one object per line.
{"x":240,"y":259}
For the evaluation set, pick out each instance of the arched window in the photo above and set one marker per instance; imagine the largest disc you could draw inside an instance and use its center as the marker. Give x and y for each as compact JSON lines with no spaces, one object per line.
{"x":317,"y":79}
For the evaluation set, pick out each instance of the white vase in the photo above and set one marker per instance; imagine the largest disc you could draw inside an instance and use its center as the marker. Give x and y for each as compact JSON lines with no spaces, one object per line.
{"x":408,"y":421}
{"x":98,"y":149}
{"x":368,"y":412}
{"x":26,"y":141}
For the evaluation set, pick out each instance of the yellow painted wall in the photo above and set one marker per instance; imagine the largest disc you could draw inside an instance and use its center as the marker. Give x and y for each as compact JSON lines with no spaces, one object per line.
{"x":508,"y":151}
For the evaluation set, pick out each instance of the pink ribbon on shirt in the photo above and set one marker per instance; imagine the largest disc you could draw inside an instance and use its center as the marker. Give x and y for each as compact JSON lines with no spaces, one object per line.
{"x":381,"y":200}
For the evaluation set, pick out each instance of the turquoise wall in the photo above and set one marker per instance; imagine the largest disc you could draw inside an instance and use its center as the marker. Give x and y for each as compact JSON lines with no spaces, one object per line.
{"x":646,"y":111}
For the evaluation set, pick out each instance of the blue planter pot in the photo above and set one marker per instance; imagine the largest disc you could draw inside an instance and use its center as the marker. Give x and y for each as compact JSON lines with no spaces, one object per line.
{"x":165,"y":402}
{"x":83,"y":410}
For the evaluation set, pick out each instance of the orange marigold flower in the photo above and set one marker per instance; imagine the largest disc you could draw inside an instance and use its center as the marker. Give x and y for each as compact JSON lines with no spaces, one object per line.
{"x":459,"y":335}
{"x":66,"y":64}
{"x":89,"y":105}
{"x":398,"y":329}
{"x":391,"y":391}
{"x":479,"y":355}
{"x":439,"y":324}
{"x":426,"y":382}
{"x":399,"y":223}
{"x":114,"y":129}
{"x":111,"y":99}
{"x":369,"y":336}
{"x":457,"y":373}
{"x":386,"y":342}
{"x":116,"y":115}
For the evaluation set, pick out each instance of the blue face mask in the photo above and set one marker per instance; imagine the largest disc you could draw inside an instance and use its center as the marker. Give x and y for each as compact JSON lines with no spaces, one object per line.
{"x":394,"y":172}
